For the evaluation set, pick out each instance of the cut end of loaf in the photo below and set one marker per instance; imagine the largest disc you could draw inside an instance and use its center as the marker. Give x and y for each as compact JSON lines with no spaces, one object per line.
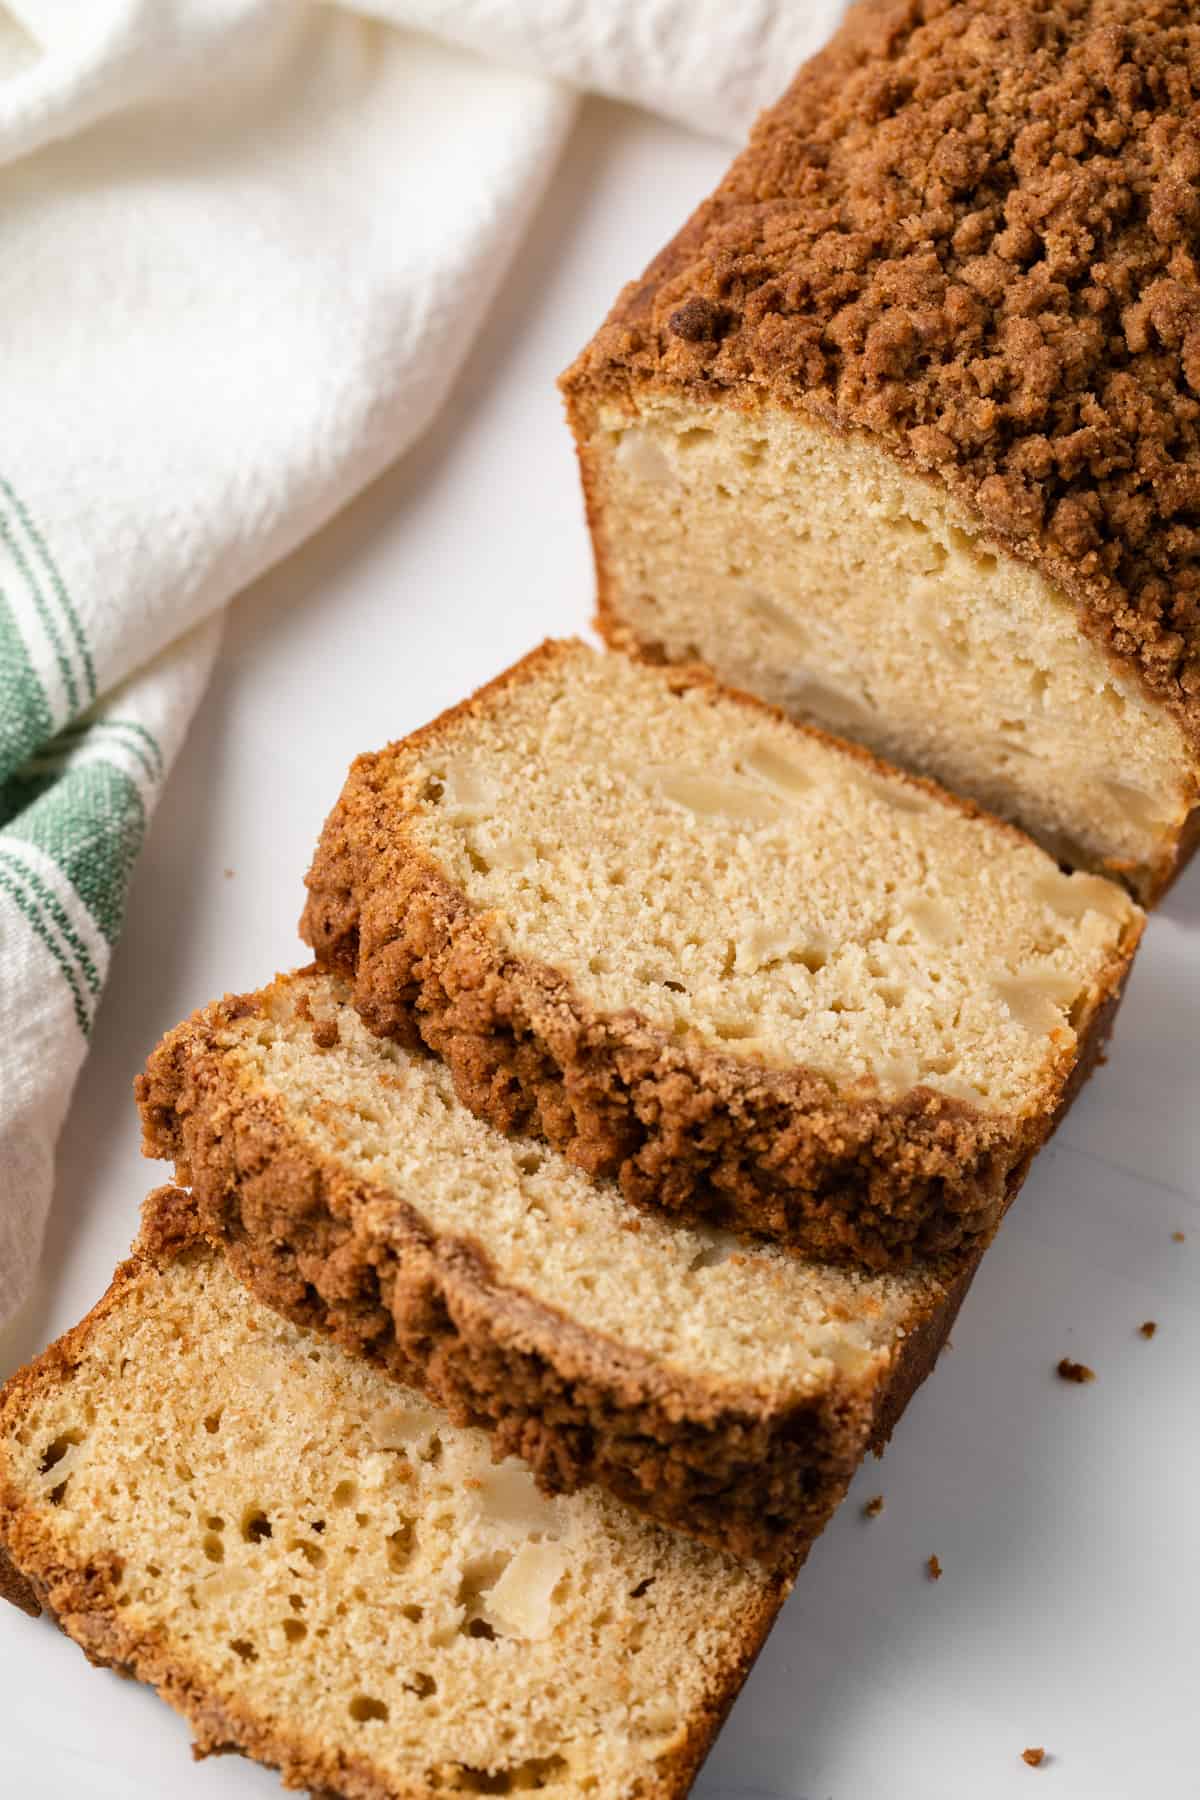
{"x":949,"y":236}
{"x":812,"y":568}
{"x":318,"y":1570}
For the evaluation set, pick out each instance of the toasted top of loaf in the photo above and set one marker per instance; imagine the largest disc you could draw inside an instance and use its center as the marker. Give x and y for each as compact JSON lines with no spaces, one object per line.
{"x":690,"y":1309}
{"x":746,"y":888}
{"x":313,"y":1566}
{"x":971,"y":227}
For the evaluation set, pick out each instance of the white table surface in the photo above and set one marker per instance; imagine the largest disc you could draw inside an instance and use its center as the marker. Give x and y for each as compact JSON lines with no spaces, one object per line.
{"x":1065,"y":1517}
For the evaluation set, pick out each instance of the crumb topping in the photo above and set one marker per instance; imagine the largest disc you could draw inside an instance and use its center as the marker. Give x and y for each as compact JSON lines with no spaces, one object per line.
{"x":933,"y":1569}
{"x":972,"y":227}
{"x":873,"y":1508}
{"x":1035,"y":1758}
{"x":1075,"y":1371}
{"x":1148,"y":1329}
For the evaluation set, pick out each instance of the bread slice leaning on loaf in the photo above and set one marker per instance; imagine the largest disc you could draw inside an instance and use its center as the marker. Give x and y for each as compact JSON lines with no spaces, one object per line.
{"x":752,"y":973}
{"x":728,"y":1390}
{"x":316,"y":1569}
{"x":901,"y":431}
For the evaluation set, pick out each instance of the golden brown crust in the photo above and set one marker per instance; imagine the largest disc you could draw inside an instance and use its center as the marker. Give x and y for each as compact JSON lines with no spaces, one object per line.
{"x":969,"y":228}
{"x":742,"y":1473}
{"x":684,"y":1129}
{"x":38,"y":1572}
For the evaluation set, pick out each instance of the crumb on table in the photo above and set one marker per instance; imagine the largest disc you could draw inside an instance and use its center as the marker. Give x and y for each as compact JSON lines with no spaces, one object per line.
{"x":873,"y":1508}
{"x":933,"y":1569}
{"x":1035,"y":1758}
{"x":1075,"y":1371}
{"x":1148,"y":1329}
{"x":1177,"y":1237}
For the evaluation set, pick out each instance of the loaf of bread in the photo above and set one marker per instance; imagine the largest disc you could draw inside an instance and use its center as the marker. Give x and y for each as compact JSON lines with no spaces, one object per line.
{"x":316,"y":1569}
{"x":902,"y":430}
{"x":752,"y":973}
{"x":727,"y":1390}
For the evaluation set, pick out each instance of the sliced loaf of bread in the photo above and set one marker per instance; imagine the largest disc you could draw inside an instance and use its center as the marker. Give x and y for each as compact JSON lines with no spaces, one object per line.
{"x":726,"y":1389}
{"x":754,"y":974}
{"x":316,"y":1569}
{"x":900,"y":430}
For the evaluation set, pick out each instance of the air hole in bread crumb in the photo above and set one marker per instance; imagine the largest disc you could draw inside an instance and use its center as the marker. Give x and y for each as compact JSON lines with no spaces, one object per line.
{"x":294,"y":1630}
{"x":244,"y":1648}
{"x":400,"y":1546}
{"x":345,"y":1493}
{"x":479,"y":1577}
{"x":213,"y":1548}
{"x":529,"y":1161}
{"x":479,"y":863}
{"x":466,"y":1780}
{"x":479,"y":1628}
{"x":643,"y":1587}
{"x":313,"y":1554}
{"x":422,"y":1685}
{"x":812,"y":957}
{"x":55,"y":1451}
{"x":969,"y":546}
{"x":365,"y":1706}
{"x":212,"y":1423}
{"x":255,"y":1525}
{"x":58,"y":1494}
{"x":413,"y":1613}
{"x":215,"y":1523}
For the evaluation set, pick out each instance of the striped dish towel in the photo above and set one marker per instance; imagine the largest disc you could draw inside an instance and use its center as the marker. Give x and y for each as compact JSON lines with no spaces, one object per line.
{"x":246,"y":246}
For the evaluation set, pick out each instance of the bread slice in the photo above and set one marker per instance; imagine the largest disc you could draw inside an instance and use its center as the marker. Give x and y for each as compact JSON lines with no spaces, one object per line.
{"x":319,"y":1571}
{"x":752,"y":973}
{"x":900,"y":431}
{"x":727,"y":1390}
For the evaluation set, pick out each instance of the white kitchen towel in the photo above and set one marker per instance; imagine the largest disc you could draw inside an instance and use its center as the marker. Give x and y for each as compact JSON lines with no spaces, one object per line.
{"x":244,"y":247}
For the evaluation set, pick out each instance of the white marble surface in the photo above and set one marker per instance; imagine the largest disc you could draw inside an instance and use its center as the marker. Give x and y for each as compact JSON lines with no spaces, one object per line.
{"x":1064,"y":1517}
